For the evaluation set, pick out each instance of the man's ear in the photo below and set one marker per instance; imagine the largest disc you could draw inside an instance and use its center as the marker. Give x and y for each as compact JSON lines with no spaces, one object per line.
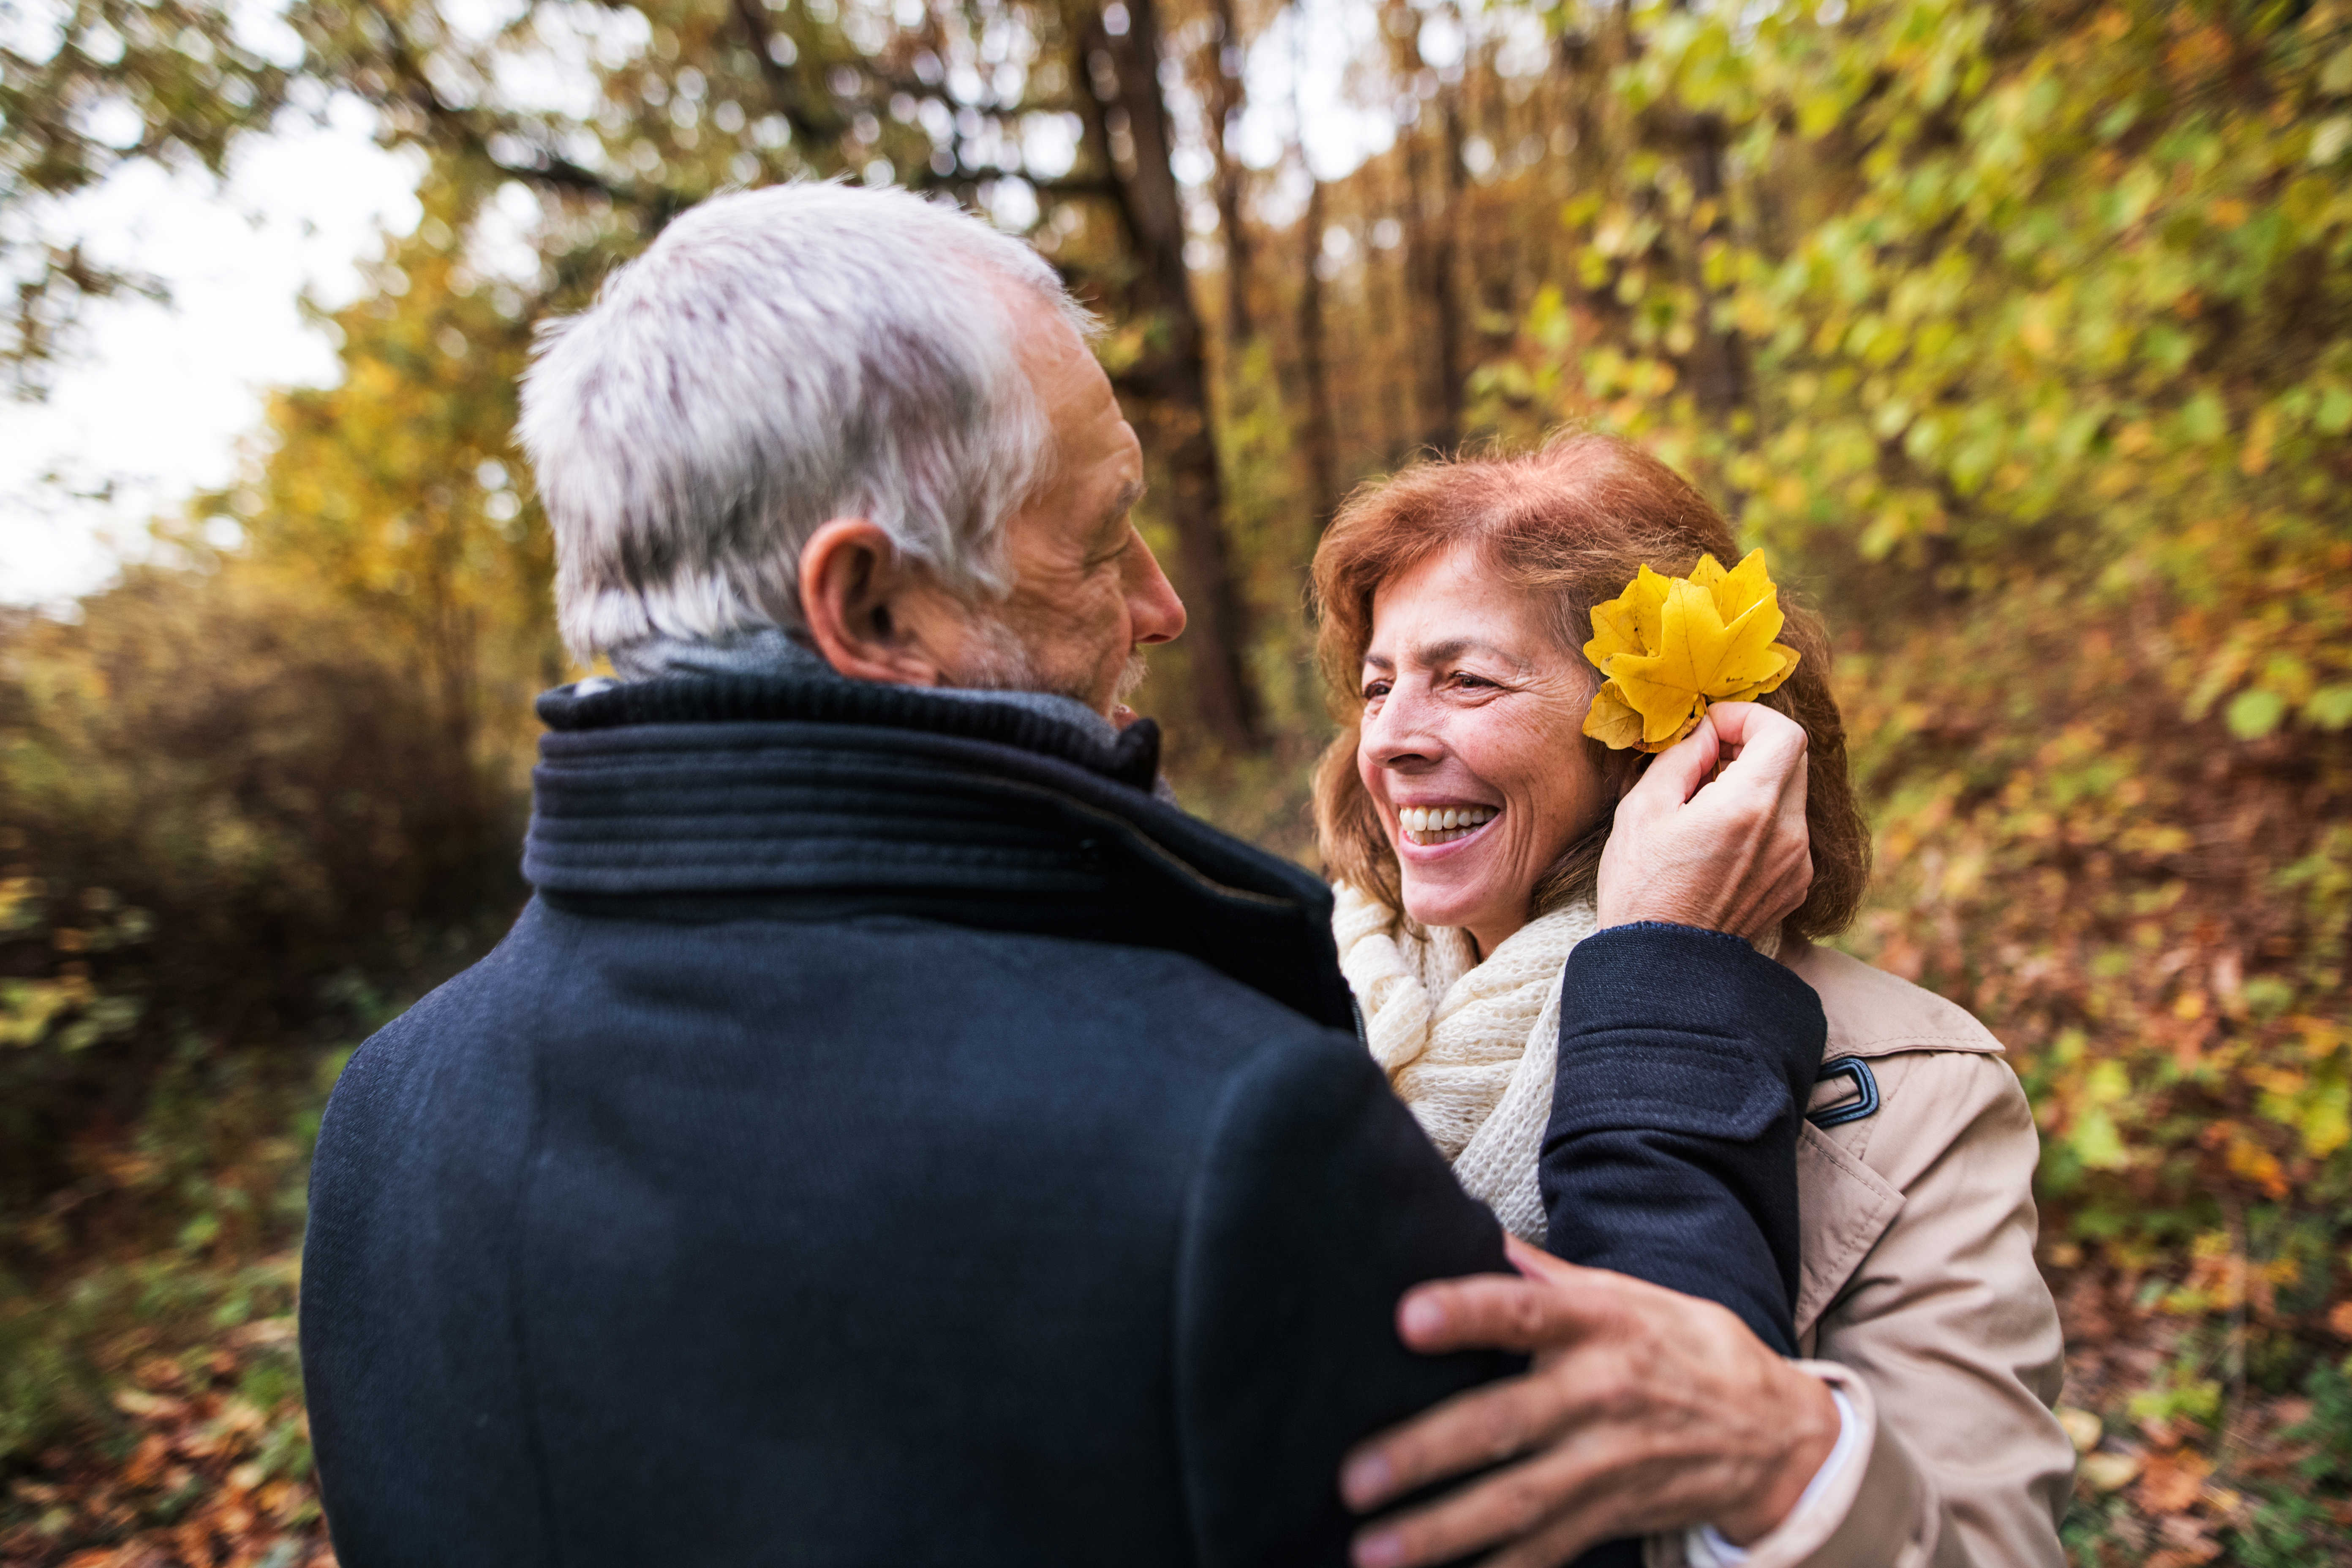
{"x":855,"y":597}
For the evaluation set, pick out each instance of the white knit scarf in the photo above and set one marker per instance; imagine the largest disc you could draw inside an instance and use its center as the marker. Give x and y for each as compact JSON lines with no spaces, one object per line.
{"x":1470,"y":1047}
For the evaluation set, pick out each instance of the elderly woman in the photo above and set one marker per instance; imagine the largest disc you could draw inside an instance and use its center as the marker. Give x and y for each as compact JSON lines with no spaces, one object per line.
{"x":1463,"y":810}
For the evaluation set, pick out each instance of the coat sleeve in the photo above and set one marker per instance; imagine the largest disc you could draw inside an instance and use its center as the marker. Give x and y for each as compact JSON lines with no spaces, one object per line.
{"x":1316,"y":1202}
{"x":1686,"y":1059}
{"x":1947,"y":1343}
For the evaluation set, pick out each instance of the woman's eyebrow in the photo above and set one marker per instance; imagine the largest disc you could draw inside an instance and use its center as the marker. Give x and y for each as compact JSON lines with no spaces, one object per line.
{"x":1454,"y":647}
{"x":1443,"y":652}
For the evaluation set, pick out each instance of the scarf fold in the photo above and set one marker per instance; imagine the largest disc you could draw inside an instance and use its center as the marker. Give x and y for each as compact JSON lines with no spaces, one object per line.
{"x":1470,"y":1047}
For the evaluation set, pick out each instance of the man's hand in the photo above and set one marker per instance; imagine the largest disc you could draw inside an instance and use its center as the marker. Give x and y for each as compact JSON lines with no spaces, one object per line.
{"x":1728,"y":853}
{"x":1646,"y":1410}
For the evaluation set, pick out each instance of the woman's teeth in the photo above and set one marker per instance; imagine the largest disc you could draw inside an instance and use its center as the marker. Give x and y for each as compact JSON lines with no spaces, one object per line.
{"x":1426,"y":825}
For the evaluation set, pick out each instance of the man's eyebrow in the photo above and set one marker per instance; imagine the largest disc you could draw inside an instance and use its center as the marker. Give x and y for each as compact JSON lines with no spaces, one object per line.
{"x":1124,"y":502}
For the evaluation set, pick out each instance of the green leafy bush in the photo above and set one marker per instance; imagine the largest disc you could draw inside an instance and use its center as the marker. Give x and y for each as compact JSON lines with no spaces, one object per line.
{"x":217,"y":795}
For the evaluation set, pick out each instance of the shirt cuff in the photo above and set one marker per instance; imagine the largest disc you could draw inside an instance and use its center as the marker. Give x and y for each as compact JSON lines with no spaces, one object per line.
{"x":1704,"y":1546}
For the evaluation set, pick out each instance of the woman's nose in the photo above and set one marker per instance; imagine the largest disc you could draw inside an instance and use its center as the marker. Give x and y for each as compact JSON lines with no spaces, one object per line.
{"x":1404,"y":728}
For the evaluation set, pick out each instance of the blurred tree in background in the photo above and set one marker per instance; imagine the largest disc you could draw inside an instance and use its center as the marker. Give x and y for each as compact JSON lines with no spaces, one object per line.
{"x":2022,"y":335}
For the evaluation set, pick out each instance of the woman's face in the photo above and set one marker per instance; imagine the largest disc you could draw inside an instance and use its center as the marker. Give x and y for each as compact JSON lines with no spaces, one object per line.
{"x":1471,"y":708}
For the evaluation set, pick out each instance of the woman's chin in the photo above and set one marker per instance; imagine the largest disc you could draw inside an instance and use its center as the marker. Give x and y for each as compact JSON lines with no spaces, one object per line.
{"x":1450,"y":883}
{"x":1437,"y":898}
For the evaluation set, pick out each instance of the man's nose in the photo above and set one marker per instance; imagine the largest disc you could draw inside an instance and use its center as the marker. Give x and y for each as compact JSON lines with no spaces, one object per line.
{"x":1153,"y":610}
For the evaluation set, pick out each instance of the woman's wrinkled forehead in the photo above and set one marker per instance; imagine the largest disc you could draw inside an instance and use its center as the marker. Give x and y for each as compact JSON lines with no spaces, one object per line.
{"x":1477,"y":592}
{"x":1442,"y":650}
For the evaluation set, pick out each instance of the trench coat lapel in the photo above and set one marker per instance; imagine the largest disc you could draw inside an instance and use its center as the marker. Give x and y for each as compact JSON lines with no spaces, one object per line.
{"x":1847,"y":1208}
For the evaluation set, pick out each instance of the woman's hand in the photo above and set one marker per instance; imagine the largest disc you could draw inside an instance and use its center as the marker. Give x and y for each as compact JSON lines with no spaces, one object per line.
{"x":1646,"y":1410}
{"x":1725,"y":852}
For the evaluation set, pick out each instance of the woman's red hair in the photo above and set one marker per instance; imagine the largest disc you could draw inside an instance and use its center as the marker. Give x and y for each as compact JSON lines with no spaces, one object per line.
{"x":1568,"y":523}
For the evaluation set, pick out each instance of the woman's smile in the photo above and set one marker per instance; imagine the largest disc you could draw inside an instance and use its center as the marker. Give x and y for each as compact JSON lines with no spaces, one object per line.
{"x":1471,"y":746}
{"x":1437,"y":826}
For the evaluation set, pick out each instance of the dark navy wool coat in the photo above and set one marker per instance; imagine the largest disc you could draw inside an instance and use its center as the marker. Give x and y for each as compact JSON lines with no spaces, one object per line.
{"x":890,"y":1136}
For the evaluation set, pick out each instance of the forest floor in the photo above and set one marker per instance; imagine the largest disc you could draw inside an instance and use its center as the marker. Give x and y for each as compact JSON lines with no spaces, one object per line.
{"x":150,"y":1408}
{"x":169,"y":1398}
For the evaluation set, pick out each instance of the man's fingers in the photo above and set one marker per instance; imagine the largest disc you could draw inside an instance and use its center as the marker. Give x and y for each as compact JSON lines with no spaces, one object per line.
{"x":1553,"y":1312}
{"x":1534,"y":1262}
{"x":1521,"y":1501}
{"x":1468,"y":1432}
{"x":1557,"y":1541}
{"x":1504,"y":1311}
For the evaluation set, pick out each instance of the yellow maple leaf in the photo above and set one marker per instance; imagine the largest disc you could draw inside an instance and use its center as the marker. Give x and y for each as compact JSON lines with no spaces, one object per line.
{"x":1667,"y":647}
{"x":1630,"y":622}
{"x":1612,"y":720}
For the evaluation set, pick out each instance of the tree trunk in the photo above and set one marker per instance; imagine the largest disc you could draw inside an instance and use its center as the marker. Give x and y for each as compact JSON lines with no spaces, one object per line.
{"x":1443,"y":265}
{"x":1717,"y":363}
{"x":1719,"y":359}
{"x":1170,"y":382}
{"x":1401,"y":368}
{"x":1224,"y":102}
{"x":1320,"y":436}
{"x":1435,"y":208}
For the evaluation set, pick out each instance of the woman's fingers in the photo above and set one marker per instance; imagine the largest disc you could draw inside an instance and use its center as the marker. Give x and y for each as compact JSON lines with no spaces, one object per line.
{"x":1768,"y":752}
{"x":1676,"y":773}
{"x":1795,"y":838}
{"x":1723,"y":856}
{"x":1768,"y":740}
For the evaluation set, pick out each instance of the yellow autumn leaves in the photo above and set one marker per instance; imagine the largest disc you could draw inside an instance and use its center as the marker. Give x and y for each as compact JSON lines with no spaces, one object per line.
{"x":1667,"y":647}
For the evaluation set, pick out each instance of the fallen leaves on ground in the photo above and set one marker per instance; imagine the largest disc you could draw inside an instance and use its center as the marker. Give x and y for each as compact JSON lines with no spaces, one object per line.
{"x":205,"y":1478}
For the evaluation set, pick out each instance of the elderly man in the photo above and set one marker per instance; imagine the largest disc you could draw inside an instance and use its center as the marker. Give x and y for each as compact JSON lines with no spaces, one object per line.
{"x":891,"y":1134}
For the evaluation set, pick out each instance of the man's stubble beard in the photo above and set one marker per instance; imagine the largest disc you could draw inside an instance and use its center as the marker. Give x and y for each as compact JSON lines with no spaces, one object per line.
{"x":1001,"y":661}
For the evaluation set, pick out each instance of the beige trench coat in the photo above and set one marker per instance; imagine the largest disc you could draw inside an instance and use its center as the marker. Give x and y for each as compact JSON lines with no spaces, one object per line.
{"x":1919,"y":1295}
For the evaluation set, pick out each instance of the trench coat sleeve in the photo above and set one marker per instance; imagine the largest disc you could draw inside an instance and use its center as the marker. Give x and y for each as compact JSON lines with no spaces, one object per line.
{"x":1316,"y":1202}
{"x":1946,"y":1340}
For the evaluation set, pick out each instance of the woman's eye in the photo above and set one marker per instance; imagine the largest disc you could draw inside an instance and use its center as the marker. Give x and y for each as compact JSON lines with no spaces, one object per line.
{"x":1464,"y":678}
{"x":1375,"y":689}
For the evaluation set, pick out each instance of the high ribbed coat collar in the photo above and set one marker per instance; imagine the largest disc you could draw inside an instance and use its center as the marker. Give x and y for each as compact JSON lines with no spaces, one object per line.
{"x":826,"y":798}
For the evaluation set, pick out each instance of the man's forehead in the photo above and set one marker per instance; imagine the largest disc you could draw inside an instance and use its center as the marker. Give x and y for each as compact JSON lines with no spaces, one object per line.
{"x":1101,"y":452}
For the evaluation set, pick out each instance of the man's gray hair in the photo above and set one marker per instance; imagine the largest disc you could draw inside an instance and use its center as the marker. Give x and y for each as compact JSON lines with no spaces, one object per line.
{"x":774,"y":360}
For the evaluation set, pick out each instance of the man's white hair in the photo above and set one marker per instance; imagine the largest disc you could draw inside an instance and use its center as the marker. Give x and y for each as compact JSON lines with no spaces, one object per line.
{"x":774,"y":360}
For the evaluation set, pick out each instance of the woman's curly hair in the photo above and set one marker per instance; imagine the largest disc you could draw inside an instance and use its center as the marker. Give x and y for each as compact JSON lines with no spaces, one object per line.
{"x":1570,"y":524}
